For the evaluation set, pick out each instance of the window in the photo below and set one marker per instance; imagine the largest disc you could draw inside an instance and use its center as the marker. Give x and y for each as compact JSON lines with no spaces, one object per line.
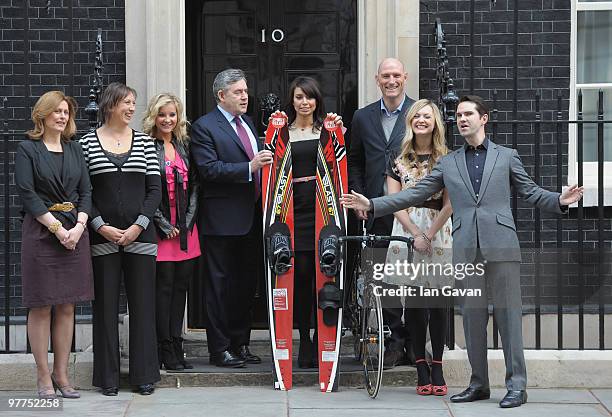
{"x":590,"y":71}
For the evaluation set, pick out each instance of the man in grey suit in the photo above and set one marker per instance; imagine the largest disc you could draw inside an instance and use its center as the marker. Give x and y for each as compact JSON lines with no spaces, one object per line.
{"x":376,"y":133}
{"x":478,"y":177}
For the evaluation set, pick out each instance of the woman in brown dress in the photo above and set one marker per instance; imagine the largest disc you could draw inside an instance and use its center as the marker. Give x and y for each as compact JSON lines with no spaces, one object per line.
{"x":53,"y":183}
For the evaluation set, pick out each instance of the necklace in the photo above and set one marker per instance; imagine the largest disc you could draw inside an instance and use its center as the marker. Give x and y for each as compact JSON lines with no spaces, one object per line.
{"x":293,"y":125}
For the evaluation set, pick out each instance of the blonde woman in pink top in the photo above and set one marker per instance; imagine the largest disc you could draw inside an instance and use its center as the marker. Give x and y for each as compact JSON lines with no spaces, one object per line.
{"x":178,"y":246}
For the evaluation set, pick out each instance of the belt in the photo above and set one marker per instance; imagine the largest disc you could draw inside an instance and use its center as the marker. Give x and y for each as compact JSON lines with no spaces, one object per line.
{"x":65,"y":206}
{"x":432,"y":204}
{"x":304,"y":179}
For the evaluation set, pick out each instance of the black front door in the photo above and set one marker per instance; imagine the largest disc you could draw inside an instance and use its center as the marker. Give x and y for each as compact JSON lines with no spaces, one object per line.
{"x":273,"y":41}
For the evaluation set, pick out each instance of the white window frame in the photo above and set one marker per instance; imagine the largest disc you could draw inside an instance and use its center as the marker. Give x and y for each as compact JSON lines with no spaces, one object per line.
{"x":589,"y":168}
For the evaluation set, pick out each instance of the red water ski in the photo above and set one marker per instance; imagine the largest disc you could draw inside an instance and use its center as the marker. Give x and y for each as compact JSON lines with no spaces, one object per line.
{"x":277,"y":200}
{"x":330,"y":224}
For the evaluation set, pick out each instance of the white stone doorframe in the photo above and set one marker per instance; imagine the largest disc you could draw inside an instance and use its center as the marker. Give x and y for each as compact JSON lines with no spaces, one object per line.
{"x":155,"y":47}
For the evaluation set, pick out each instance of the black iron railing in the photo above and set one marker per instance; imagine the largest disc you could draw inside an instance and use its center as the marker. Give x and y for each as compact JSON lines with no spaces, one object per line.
{"x":557,"y":126}
{"x":9,"y":139}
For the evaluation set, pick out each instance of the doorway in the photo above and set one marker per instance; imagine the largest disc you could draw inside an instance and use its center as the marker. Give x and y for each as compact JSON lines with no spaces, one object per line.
{"x":273,"y":41}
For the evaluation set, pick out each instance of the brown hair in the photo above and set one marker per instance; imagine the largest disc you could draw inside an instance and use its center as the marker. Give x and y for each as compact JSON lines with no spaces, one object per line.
{"x":47,"y":104}
{"x":481,"y":106}
{"x":311,"y":89}
{"x":438,"y":143}
{"x":111,"y":96}
{"x":155,"y":104}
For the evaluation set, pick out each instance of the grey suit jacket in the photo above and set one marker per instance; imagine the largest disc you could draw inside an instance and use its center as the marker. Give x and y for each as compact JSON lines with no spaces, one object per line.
{"x":485,"y":222}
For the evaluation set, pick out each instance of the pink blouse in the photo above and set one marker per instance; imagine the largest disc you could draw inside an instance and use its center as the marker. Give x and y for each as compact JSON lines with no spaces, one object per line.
{"x":169,"y":250}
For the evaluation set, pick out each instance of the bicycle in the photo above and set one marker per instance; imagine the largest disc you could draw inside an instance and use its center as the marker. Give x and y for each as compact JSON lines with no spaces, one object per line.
{"x":363,"y":309}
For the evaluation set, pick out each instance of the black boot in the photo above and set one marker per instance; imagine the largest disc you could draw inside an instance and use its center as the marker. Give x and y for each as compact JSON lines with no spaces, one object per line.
{"x":305,"y":353}
{"x":177,"y":342}
{"x":168,"y":357}
{"x":315,"y":349}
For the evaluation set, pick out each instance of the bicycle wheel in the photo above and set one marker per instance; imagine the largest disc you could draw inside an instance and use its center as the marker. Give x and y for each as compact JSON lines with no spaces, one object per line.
{"x":372,"y":340}
{"x":355,"y":302}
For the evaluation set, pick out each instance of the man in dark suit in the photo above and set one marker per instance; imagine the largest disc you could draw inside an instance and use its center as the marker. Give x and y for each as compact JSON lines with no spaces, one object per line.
{"x":376,"y":134}
{"x":227,"y":154}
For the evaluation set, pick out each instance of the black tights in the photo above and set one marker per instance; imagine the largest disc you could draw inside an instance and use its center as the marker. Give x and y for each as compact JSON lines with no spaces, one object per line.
{"x":417,"y":320}
{"x":304,"y":291}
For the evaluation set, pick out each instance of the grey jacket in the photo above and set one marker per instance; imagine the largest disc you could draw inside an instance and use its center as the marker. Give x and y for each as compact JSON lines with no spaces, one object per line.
{"x":485,"y":222}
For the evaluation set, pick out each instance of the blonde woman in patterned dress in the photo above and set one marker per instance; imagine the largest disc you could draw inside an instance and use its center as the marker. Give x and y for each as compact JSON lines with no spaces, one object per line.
{"x":430,"y":226}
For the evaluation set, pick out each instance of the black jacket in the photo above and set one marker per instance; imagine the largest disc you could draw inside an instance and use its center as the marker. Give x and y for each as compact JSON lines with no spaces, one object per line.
{"x":227,"y":198}
{"x":40,"y":185}
{"x":370,"y":151}
{"x":162,"y":214}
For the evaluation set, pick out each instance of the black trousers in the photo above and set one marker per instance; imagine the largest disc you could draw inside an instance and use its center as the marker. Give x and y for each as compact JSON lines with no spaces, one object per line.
{"x":304,"y":291}
{"x":232,"y":267}
{"x":138,"y":273}
{"x":172,"y":282}
{"x":392,"y":317}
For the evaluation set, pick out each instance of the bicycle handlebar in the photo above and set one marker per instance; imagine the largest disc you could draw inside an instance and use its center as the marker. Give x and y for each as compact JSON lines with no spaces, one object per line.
{"x":374,"y":238}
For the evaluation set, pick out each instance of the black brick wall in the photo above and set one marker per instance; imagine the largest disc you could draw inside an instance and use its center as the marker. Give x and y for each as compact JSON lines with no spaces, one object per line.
{"x":543,"y":58}
{"x":46,"y":49}
{"x":42,"y":50}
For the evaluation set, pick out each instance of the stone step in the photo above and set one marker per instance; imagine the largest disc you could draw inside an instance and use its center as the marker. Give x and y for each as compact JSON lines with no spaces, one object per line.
{"x":199,"y":348}
{"x":206,"y":375}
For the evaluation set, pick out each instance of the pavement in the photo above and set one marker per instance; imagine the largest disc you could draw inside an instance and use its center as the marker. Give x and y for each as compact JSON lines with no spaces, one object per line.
{"x":309,"y":402}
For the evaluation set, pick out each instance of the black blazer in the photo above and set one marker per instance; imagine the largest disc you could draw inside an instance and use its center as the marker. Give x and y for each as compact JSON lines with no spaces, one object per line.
{"x":227,"y":197}
{"x":40,"y":185}
{"x":369,"y":149}
{"x":162,"y":214}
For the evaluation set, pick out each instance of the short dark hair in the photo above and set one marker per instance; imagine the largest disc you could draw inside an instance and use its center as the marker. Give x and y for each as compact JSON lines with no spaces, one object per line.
{"x":311,"y":89}
{"x":481,"y":106}
{"x":111,"y":96}
{"x":226,"y":78}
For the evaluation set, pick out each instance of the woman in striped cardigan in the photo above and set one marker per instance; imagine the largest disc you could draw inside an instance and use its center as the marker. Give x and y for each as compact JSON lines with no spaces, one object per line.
{"x":126,"y":191}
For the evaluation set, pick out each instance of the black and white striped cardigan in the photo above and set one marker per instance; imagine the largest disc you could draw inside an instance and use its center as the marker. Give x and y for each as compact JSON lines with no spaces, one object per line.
{"x":123,"y":195}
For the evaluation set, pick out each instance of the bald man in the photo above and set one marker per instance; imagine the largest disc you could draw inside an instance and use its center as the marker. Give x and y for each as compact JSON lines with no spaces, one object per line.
{"x":376,"y":134}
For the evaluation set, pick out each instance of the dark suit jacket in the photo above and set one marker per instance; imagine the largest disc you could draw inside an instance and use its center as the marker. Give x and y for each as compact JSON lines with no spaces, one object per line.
{"x":369,"y":150}
{"x":227,"y":197}
{"x":40,"y":185}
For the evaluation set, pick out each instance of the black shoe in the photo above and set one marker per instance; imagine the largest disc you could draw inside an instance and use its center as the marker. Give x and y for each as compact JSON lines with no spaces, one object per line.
{"x":245,"y":354}
{"x":315,"y":349}
{"x":226,"y":359}
{"x":392,"y":358}
{"x":167,"y":356}
{"x":146,"y":389}
{"x":514,"y":399}
{"x":110,"y":391}
{"x":409,"y":358}
{"x":305,"y":354}
{"x":177,"y":343}
{"x":471,"y":394}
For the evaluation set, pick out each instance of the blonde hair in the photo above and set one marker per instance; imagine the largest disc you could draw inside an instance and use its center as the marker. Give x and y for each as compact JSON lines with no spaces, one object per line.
{"x":156,"y":103}
{"x":47,"y":104}
{"x":439,"y":149}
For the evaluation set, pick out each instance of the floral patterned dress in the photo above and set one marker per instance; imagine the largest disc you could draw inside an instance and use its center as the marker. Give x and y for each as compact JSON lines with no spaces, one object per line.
{"x":431,"y":272}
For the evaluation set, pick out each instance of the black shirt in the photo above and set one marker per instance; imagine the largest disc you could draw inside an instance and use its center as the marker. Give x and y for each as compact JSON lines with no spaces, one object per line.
{"x":475,"y":160}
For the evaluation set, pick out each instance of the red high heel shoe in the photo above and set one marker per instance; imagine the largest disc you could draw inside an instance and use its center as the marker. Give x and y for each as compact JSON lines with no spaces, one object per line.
{"x":424,"y":389}
{"x":439,"y":390}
